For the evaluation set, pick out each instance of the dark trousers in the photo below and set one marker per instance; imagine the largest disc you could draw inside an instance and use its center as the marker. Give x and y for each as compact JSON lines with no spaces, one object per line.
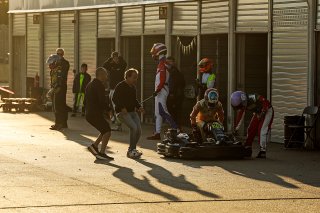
{"x":60,"y":107}
{"x":174,"y":106}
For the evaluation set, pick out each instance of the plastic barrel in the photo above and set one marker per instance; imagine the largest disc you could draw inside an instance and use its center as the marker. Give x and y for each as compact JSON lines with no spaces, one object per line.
{"x":296,"y":134}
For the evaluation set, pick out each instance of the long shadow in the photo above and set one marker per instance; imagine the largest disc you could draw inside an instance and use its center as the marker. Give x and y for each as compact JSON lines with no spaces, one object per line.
{"x":300,"y":166}
{"x":126,"y":175}
{"x":165,"y":177}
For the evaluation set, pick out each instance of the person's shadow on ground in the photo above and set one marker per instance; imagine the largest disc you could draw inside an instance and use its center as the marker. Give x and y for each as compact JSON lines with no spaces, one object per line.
{"x":165,"y":177}
{"x":126,"y":175}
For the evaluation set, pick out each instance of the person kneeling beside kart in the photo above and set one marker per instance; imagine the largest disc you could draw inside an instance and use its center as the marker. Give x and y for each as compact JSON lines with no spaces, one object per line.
{"x":207,"y":117}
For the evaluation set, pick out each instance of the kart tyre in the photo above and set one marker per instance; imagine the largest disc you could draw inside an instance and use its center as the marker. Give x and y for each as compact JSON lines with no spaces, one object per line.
{"x":172,"y":150}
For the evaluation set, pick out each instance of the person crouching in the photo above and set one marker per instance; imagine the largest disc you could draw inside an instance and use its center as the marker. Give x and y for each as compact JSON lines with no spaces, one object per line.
{"x":206,"y":111}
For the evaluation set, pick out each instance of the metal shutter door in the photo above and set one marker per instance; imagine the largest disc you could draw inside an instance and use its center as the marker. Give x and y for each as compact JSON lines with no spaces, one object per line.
{"x":215,"y":16}
{"x":33,"y":47}
{"x":67,"y":43}
{"x":152,"y":23}
{"x":51,"y":41}
{"x":88,"y":40}
{"x":19,"y":25}
{"x":131,"y":21}
{"x":107,"y":23}
{"x":252,"y":15}
{"x":289,"y":61}
{"x":185,"y":17}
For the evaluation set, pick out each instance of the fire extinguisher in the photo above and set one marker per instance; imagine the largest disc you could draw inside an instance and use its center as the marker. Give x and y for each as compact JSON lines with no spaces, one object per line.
{"x":36,"y":82}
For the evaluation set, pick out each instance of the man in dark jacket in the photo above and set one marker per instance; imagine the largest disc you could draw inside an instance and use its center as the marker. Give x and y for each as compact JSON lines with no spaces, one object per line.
{"x":80,"y":82}
{"x":59,"y":74}
{"x":176,"y":91}
{"x":96,"y":105}
{"x":116,"y":66}
{"x":126,"y":106}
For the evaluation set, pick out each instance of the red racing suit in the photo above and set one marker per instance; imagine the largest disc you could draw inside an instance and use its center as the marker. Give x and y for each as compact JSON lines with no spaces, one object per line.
{"x":261,"y":120}
{"x":162,"y":90}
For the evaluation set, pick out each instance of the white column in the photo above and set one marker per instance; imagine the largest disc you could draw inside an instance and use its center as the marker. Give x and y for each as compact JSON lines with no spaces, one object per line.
{"x":118,"y":29}
{"x":168,"y":36}
{"x":312,"y":6}
{"x":269,"y":68}
{"x":11,"y":50}
{"x":231,"y":61}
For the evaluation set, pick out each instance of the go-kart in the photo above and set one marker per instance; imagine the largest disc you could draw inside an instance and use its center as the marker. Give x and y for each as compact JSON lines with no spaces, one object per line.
{"x":217,"y":145}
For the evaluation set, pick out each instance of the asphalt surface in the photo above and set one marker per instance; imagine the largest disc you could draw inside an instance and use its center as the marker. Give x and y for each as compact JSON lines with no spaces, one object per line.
{"x":50,"y":171}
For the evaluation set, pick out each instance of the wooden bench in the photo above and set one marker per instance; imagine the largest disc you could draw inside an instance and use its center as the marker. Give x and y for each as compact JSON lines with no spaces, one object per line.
{"x":18,"y":104}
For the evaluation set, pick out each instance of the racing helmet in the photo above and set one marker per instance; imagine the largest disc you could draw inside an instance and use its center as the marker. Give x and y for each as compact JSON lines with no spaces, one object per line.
{"x":158,"y":49}
{"x":53,"y":58}
{"x":212,"y":97}
{"x":205,"y":65}
{"x":183,"y":136}
{"x":239,"y":99}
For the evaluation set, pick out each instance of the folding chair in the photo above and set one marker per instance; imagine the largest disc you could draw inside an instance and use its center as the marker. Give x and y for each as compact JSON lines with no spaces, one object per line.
{"x":308,"y":111}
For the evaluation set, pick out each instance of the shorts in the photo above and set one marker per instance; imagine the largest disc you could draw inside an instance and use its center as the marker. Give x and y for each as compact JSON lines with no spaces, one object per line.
{"x":99,"y":123}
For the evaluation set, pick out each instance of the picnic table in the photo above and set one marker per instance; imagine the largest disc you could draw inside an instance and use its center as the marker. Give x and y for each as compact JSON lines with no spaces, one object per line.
{"x":19,"y":104}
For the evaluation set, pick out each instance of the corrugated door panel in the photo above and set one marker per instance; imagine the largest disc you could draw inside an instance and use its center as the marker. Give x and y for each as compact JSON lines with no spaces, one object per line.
{"x":318,"y":14}
{"x":33,"y":47}
{"x":131,"y":21}
{"x":215,"y":16}
{"x":51,"y":41}
{"x":152,"y":23}
{"x":289,"y":61}
{"x":67,"y":42}
{"x":88,"y":40}
{"x":252,"y":15}
{"x":215,"y":47}
{"x":185,"y":15}
{"x":19,"y":24}
{"x":107,"y":23}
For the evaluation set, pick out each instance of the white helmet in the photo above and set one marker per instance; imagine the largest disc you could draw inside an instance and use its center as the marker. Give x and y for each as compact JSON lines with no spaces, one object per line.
{"x":183,"y":136}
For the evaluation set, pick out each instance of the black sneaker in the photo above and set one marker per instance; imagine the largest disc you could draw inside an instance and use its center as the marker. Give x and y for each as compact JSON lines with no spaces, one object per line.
{"x":93,"y":150}
{"x":248,"y":151}
{"x":262,"y":154}
{"x":103,"y":156}
{"x":56,"y":127}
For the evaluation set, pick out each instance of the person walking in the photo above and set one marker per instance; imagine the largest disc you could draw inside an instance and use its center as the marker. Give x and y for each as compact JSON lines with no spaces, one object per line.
{"x":96,"y":104}
{"x":158,"y":53}
{"x":127,"y":106}
{"x":59,"y":68}
{"x":80,"y":82}
{"x":116,"y":66}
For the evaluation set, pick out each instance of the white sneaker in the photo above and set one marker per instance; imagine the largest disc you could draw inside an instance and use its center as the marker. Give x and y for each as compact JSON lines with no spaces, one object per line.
{"x":134,"y":154}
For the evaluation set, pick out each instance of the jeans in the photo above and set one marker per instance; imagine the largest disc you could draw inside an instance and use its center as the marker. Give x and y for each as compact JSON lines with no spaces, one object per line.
{"x":132,"y":120}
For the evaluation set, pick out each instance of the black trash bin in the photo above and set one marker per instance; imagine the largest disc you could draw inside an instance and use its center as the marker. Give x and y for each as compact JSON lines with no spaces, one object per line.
{"x":296,"y":134}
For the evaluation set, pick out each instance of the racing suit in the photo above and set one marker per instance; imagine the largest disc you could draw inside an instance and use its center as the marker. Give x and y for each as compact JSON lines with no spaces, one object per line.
{"x":162,"y":91}
{"x":205,"y":81}
{"x":261,"y":120}
{"x":59,"y":74}
{"x":201,"y":115}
